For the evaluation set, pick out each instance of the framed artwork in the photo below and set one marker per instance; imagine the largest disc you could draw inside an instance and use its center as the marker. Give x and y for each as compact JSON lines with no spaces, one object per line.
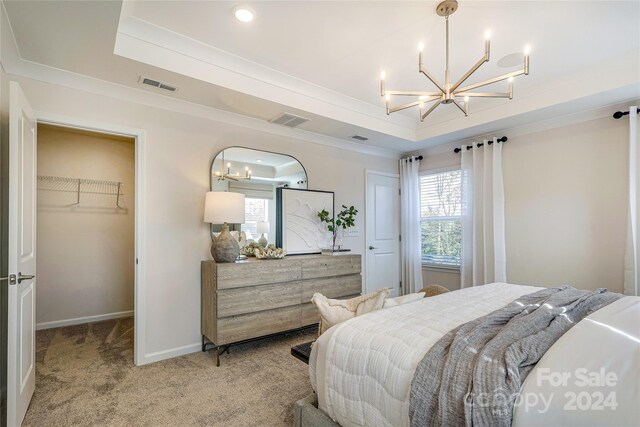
{"x":298,"y":228}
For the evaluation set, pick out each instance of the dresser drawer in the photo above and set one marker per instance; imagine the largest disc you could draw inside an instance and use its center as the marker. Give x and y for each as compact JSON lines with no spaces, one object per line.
{"x":252,"y":299}
{"x":246,"y":326}
{"x":332,"y":287}
{"x":251,"y":273}
{"x":310,"y":314}
{"x":337,"y":265}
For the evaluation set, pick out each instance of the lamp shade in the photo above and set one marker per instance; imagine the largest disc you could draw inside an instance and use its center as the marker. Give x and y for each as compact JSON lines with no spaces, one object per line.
{"x":262,"y":227}
{"x":224,"y":206}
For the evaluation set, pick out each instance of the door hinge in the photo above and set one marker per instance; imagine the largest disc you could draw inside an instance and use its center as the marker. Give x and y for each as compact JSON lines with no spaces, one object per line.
{"x":400,"y":238}
{"x":399,"y":192}
{"x":136,"y":261}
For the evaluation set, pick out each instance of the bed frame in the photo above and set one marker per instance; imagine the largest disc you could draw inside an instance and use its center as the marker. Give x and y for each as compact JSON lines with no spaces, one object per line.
{"x":307,"y":414}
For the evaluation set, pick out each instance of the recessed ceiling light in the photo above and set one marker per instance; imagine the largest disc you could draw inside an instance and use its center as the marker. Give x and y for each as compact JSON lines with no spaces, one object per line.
{"x":244,"y":13}
{"x":258,"y":160}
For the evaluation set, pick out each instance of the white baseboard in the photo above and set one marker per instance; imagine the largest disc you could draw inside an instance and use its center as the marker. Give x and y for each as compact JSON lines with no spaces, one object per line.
{"x":170,"y":353}
{"x":81,"y":320}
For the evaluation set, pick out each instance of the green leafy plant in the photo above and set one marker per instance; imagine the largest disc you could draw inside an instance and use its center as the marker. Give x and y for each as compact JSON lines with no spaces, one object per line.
{"x":346,"y":218}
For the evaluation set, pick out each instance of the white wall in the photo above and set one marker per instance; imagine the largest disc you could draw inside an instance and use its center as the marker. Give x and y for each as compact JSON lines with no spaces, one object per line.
{"x":179,"y":150}
{"x":565,"y":205}
{"x":85,"y":252}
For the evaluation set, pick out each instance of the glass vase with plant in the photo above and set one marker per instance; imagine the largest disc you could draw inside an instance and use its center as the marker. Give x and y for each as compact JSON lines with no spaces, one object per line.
{"x":346,"y":218}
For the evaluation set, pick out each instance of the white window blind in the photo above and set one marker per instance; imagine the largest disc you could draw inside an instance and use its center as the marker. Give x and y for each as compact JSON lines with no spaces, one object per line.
{"x":255,"y":210}
{"x":441,"y":218}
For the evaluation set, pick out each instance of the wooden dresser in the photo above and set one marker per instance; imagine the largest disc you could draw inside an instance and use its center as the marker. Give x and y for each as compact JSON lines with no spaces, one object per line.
{"x":254,"y":298}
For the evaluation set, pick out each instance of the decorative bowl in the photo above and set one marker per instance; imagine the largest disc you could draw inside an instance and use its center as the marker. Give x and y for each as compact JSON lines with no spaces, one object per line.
{"x":249,"y":249}
{"x":270,"y":252}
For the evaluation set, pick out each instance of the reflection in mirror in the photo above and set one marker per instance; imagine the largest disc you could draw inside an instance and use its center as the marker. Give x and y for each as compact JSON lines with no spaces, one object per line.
{"x":256,"y":174}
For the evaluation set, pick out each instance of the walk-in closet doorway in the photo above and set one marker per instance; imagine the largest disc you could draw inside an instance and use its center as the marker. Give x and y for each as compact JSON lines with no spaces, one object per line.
{"x":86,"y":213}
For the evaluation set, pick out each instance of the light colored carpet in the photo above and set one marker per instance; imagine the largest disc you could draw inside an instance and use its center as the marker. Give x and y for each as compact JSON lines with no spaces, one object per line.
{"x":85,"y":376}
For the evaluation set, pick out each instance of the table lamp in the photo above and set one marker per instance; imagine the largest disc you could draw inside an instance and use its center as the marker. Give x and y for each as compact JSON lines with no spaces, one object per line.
{"x":262,"y":227}
{"x":222,"y":207}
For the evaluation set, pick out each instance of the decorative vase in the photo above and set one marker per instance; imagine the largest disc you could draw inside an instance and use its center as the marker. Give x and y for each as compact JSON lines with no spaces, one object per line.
{"x":225,"y":247}
{"x":262,"y":241}
{"x":338,"y":240}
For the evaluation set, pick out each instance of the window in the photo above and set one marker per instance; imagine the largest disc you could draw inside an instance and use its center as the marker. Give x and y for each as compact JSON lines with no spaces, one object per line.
{"x":255,"y":210}
{"x":441,"y":218}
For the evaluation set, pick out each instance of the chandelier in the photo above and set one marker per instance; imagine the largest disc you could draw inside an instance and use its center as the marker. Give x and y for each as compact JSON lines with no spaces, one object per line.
{"x":221,"y":175}
{"x":449,"y":93}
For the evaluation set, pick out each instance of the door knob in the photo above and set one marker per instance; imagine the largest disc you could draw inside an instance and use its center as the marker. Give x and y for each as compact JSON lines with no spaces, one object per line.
{"x":22,"y":277}
{"x":372,"y":248}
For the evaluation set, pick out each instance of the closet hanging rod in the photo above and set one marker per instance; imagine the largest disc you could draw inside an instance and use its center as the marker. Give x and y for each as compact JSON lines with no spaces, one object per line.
{"x":480,"y":144}
{"x":79,"y":182}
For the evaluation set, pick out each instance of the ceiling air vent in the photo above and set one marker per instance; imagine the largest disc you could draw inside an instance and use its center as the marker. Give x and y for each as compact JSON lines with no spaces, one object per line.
{"x":360,"y":137}
{"x":288,"y":119}
{"x":157,"y":84}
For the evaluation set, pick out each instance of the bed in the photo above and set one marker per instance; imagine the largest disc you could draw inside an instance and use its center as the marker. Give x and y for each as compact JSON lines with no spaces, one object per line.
{"x":362,"y":369}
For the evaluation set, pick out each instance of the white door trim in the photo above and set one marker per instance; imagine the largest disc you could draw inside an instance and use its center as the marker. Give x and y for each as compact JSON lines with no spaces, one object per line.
{"x":366,"y":186}
{"x":140,"y":165}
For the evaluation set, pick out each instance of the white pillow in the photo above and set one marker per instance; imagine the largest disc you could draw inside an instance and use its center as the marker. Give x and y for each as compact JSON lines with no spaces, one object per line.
{"x":334,"y":311}
{"x":405,"y":299}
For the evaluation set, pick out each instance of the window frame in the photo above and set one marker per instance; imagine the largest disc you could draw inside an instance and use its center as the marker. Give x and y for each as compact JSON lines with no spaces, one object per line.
{"x":266,"y":214}
{"x":435,"y":171}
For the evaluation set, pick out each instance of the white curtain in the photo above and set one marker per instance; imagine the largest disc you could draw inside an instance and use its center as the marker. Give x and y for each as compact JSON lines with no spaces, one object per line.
{"x":410,"y":259}
{"x":483,"y":236}
{"x":632,"y":255}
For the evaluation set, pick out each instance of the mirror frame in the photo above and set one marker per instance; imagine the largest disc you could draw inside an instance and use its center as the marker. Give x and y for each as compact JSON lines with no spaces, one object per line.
{"x":236,"y":227}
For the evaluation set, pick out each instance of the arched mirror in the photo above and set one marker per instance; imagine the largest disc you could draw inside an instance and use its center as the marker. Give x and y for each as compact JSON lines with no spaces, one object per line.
{"x":256,"y":174}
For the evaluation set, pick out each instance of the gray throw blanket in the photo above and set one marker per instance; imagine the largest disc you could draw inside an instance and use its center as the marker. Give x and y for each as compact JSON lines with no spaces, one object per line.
{"x":473,"y":374}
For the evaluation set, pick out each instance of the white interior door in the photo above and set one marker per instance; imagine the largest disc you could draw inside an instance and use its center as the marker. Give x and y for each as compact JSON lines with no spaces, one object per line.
{"x":383,"y":232}
{"x":21,"y":378}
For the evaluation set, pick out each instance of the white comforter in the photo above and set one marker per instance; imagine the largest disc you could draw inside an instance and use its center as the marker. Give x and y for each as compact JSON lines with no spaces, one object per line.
{"x":362,"y":369}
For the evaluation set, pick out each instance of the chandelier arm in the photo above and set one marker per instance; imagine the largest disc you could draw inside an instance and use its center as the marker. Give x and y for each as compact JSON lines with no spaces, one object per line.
{"x":410,"y":104}
{"x":471,"y":71}
{"x":489,"y":81}
{"x":484,"y":94}
{"x":411,"y":93}
{"x":433,"y":79}
{"x":464,"y":110}
{"x":433,"y":107}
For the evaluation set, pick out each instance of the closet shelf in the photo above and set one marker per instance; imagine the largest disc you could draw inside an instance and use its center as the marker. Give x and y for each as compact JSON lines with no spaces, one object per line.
{"x":81,"y":186}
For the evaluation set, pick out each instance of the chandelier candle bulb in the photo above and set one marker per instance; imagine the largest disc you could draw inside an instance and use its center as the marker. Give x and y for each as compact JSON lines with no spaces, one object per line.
{"x":510,"y":87}
{"x":383,"y":75}
{"x":527,"y":51}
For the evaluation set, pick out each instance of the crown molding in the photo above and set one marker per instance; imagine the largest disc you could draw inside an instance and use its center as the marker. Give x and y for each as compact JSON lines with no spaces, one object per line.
{"x":14,"y":64}
{"x":576,"y":116}
{"x":151,"y":44}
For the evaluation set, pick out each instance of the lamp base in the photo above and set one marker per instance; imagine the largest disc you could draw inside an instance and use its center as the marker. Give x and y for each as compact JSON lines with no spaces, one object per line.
{"x":262,"y":241}
{"x":225,"y":247}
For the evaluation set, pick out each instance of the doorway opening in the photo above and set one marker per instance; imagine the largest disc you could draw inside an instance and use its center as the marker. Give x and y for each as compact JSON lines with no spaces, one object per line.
{"x":85,"y":294}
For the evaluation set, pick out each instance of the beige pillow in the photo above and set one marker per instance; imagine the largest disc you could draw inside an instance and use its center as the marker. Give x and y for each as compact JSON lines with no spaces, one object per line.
{"x":405,"y":299}
{"x":334,"y":311}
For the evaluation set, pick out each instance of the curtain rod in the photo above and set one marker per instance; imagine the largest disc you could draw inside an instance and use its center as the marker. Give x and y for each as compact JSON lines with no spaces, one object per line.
{"x":410,"y":159}
{"x":480,"y":144}
{"x":619,"y":114}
